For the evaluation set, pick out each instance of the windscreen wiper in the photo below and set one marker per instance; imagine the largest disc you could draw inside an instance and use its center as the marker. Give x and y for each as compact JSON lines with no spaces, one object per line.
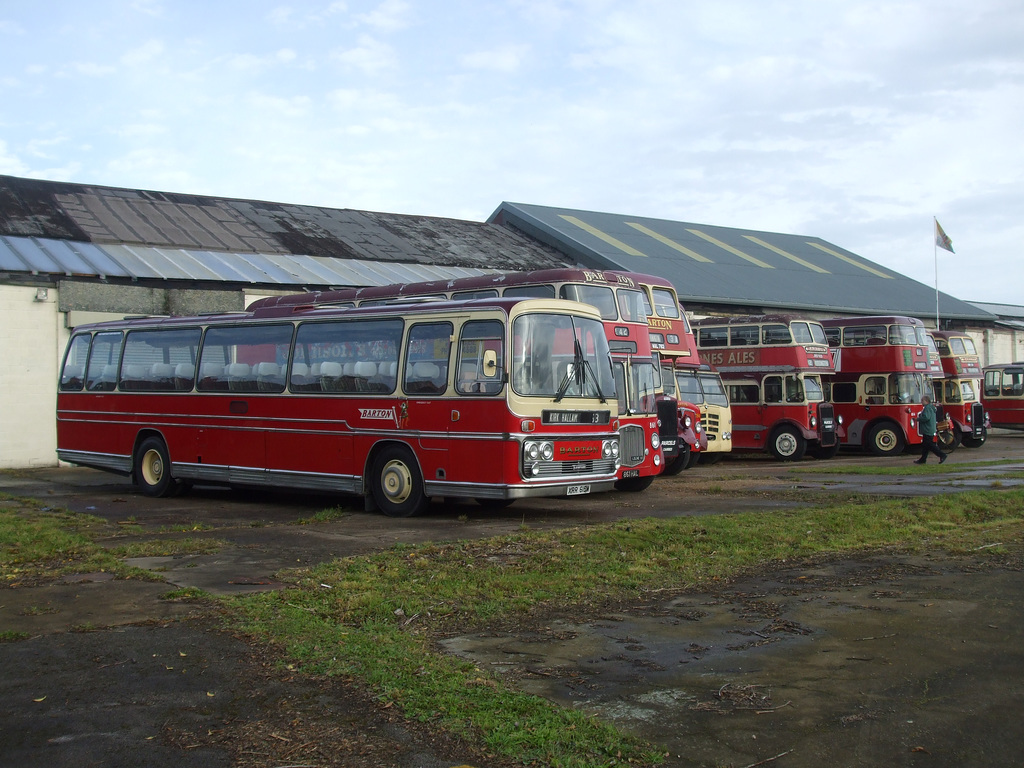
{"x":578,"y":373}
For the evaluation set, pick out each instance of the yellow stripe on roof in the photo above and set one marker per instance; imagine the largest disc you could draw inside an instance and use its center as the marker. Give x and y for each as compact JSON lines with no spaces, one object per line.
{"x":603,"y":235}
{"x":670,"y":243}
{"x":848,"y":260}
{"x":730,"y":249}
{"x":786,"y":254}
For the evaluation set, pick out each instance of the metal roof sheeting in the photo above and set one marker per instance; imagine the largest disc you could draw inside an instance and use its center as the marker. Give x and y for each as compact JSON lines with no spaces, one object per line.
{"x":63,"y":257}
{"x":722,"y":265}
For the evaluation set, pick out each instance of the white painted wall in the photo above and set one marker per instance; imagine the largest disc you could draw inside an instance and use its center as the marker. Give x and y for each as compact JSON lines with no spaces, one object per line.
{"x":32,"y":340}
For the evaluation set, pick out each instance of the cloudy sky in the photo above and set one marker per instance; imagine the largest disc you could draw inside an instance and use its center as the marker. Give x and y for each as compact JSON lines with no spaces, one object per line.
{"x":853,"y":121}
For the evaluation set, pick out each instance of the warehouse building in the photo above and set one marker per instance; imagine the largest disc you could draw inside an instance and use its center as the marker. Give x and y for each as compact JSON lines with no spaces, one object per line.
{"x":74,"y":253}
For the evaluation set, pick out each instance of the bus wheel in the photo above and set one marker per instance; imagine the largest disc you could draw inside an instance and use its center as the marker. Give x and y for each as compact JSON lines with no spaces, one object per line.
{"x":885,"y":439}
{"x":153,"y":468}
{"x":949,"y":439}
{"x":678,"y":464}
{"x":397,"y":486}
{"x":821,"y":452}
{"x":787,"y":444}
{"x":970,"y":441}
{"x":634,"y":484}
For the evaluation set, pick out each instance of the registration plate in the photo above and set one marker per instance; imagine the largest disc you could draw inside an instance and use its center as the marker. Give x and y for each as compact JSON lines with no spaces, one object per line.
{"x":630,"y":473}
{"x":577,"y":490}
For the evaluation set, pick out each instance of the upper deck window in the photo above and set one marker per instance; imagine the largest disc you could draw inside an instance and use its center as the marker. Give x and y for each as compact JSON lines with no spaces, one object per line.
{"x":599,"y":296}
{"x":631,"y":306}
{"x":665,"y":303}
{"x":744,"y":335}
{"x":530,"y":292}
{"x":776,"y":333}
{"x":902,"y":334}
{"x":864,"y":336}
{"x":961,"y":345}
{"x":484,"y":293}
{"x":713,"y":336}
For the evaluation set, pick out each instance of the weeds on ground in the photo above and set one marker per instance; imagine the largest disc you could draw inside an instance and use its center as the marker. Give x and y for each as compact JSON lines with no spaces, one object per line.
{"x":377,"y":617}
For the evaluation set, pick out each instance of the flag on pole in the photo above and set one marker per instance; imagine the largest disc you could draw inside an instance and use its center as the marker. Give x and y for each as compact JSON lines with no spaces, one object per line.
{"x":942,"y":239}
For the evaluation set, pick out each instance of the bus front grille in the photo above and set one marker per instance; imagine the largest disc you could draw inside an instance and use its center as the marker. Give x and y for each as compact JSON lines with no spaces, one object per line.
{"x":631,"y":445}
{"x":711,"y":423}
{"x":827,"y":424}
{"x":550,"y":470}
{"x":978,"y":420}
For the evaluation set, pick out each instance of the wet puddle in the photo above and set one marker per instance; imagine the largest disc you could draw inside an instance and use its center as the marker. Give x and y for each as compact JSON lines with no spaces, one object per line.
{"x":867,"y":663}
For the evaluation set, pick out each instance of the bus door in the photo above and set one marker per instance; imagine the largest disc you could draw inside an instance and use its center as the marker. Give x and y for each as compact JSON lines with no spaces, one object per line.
{"x":425,"y":414}
{"x":477,"y":437}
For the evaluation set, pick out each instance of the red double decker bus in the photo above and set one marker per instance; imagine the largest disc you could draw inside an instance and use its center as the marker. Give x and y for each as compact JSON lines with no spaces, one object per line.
{"x":1002,"y":395}
{"x":494,"y":400}
{"x":619,"y":301}
{"x":957,"y":390}
{"x":882,"y":372}
{"x":703,"y":421}
{"x":773,"y":367}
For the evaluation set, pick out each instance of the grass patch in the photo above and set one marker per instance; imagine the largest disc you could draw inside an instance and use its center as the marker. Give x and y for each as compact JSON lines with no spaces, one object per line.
{"x":40,"y":543}
{"x":325,"y":516}
{"x":37,"y":542}
{"x":376,"y":617}
{"x":7,"y":636}
{"x":168,"y":547}
{"x":185,"y":595}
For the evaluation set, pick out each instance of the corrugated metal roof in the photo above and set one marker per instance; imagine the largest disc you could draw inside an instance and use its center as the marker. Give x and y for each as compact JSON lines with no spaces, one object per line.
{"x":1015,"y":311}
{"x":722,"y":265}
{"x":62,"y":257}
{"x":260,"y":241}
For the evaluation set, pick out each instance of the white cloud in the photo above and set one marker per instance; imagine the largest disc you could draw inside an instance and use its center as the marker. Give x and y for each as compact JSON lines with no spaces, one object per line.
{"x":369,"y":56}
{"x":143,"y":54}
{"x":389,"y":16}
{"x":507,"y":58}
{"x":92,"y":69}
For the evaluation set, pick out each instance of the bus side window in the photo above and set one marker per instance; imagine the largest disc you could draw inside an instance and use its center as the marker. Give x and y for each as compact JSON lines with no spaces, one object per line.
{"x":1017,"y":384}
{"x":772,"y":389}
{"x":844,"y":392}
{"x":72,"y":375}
{"x":874,"y":390}
{"x":480,"y":365}
{"x":426,"y":358}
{"x":744,"y":393}
{"x":103,"y":360}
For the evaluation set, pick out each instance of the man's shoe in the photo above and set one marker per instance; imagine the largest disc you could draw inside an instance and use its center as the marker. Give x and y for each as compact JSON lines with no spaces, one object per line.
{"x":920,"y":461}
{"x":943,"y":459}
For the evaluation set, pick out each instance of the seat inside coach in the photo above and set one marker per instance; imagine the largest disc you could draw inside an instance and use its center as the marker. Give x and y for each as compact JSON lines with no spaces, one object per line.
{"x":426,"y":378}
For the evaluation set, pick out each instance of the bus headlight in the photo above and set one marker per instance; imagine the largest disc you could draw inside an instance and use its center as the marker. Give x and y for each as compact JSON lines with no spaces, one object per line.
{"x":814,"y":422}
{"x":655,"y":440}
{"x":610,"y":449}
{"x":687,"y":422}
{"x":535,"y":468}
{"x":537,"y":449}
{"x":839,"y":419}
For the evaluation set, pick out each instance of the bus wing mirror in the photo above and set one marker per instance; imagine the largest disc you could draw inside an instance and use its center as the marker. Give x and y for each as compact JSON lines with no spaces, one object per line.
{"x":490,"y":363}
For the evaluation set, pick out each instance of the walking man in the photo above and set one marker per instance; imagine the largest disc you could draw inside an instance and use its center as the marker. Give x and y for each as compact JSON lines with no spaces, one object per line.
{"x":927,"y":421}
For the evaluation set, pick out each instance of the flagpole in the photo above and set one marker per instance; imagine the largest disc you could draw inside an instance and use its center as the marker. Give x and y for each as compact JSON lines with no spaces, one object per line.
{"x":935,"y":252}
